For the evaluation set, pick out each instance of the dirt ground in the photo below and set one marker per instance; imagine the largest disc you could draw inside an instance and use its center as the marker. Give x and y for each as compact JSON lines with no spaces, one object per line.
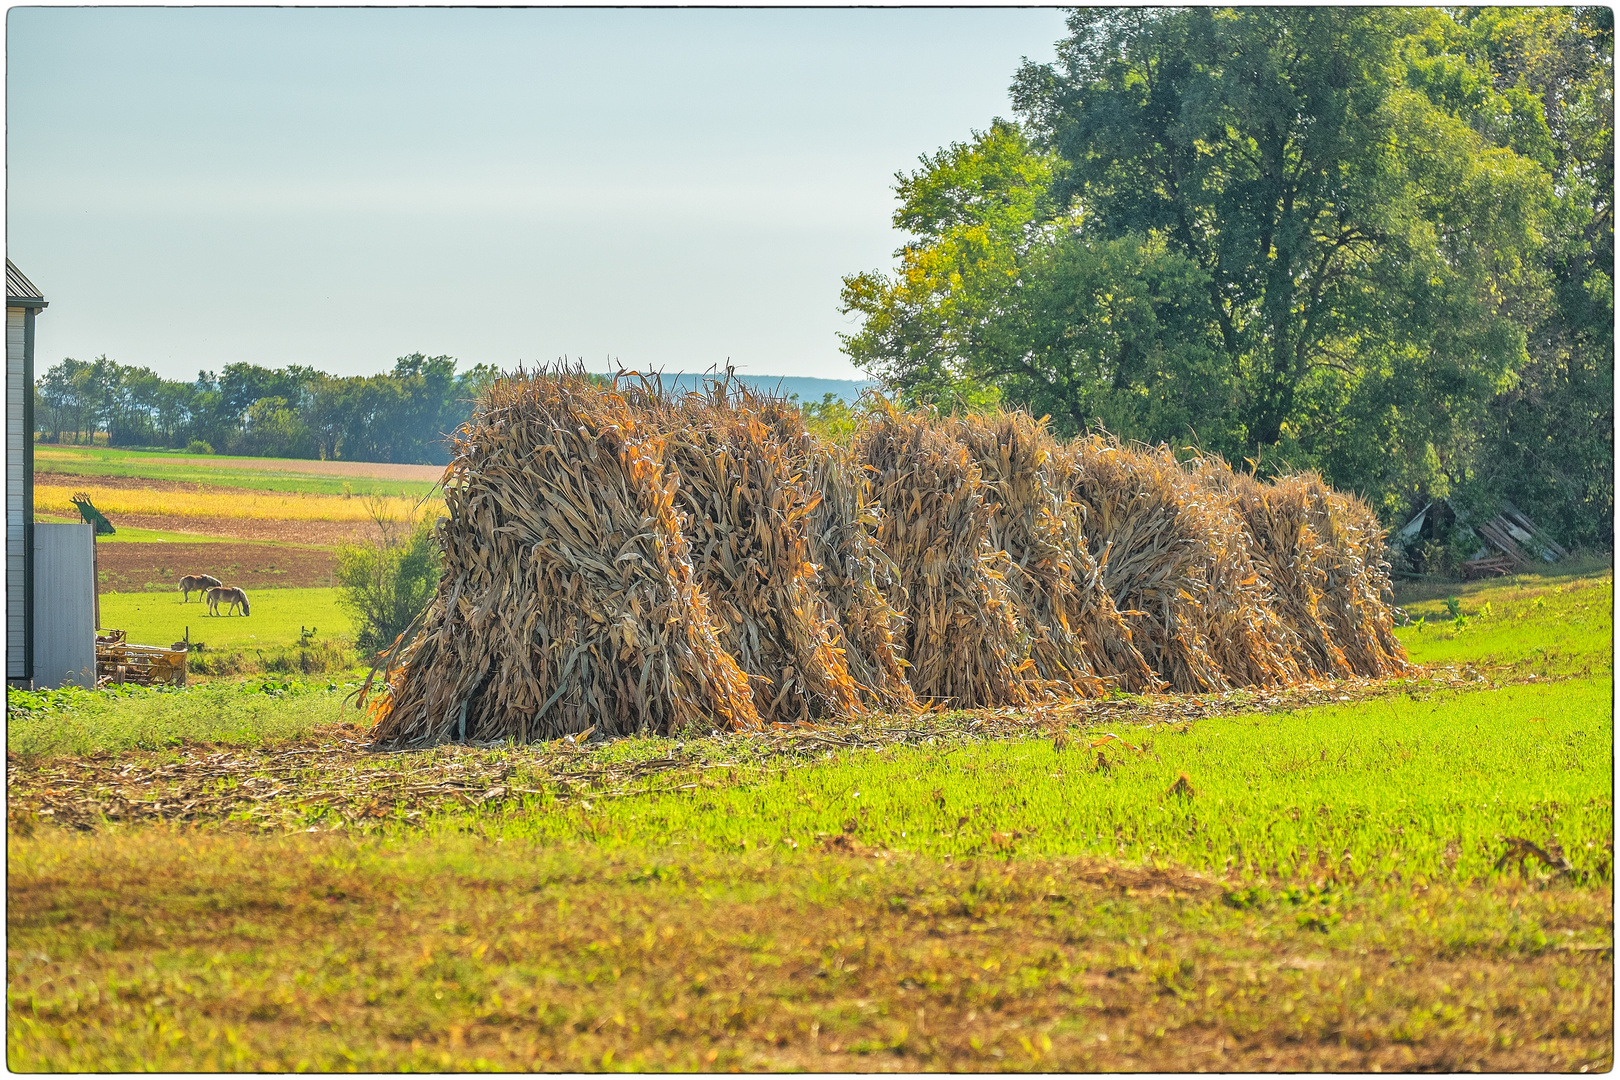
{"x":130,"y":567}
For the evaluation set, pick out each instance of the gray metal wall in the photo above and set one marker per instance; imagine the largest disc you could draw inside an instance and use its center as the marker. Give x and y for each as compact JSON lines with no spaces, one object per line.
{"x":16,"y":513}
{"x":64,"y":605}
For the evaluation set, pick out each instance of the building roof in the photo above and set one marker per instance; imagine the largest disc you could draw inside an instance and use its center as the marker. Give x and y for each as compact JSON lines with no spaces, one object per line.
{"x":19,"y":290}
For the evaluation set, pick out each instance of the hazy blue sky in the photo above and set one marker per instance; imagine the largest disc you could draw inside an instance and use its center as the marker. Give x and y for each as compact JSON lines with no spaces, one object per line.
{"x":339,"y":187}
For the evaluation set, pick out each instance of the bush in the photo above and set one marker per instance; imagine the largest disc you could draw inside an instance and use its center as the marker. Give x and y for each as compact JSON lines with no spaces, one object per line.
{"x":197,"y":446}
{"x":387,"y":584}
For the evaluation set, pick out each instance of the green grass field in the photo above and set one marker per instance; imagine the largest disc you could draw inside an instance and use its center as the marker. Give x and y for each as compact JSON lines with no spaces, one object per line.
{"x":130,"y":534}
{"x":275,"y":474}
{"x":1343,"y":883}
{"x":1548,"y":625}
{"x":278,"y":616}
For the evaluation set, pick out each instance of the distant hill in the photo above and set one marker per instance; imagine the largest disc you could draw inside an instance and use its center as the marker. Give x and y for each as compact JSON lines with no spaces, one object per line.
{"x":785,"y":385}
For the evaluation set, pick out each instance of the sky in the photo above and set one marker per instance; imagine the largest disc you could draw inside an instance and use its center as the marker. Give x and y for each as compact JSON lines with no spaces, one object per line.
{"x":658,"y":189}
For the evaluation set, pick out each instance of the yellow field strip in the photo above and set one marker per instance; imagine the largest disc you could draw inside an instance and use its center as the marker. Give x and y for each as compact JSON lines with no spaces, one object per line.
{"x":261,"y":505}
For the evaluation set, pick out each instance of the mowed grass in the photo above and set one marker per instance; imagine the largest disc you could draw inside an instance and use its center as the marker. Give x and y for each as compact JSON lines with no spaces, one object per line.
{"x":277,"y":619}
{"x":265,"y":474}
{"x":56,"y":500}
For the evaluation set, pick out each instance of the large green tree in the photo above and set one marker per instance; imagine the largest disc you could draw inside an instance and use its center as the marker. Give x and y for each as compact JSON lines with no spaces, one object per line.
{"x":1313,"y":236}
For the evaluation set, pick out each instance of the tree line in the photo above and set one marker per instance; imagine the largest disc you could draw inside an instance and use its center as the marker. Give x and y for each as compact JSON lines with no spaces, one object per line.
{"x":1376,"y":242}
{"x":295,"y":411}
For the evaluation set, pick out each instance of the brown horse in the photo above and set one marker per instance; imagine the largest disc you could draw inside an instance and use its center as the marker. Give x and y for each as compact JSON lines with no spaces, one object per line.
{"x":231,"y":597}
{"x":198,"y":583}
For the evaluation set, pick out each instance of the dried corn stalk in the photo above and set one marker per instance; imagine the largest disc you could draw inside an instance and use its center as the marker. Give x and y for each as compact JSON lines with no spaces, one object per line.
{"x":568,"y":599}
{"x":1251,"y":640}
{"x":857,"y":577}
{"x":1290,"y":555}
{"x":1152,"y":541}
{"x":746,"y":506}
{"x":1355,"y":576}
{"x":1078,"y":640}
{"x":963,"y":640}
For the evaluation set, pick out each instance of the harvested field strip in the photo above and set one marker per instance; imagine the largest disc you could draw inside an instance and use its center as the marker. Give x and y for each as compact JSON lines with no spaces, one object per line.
{"x":219,"y":503}
{"x":156,"y":567}
{"x":206,"y":529}
{"x":169,"y":950}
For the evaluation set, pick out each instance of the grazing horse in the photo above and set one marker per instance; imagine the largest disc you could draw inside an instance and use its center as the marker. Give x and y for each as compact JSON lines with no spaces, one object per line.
{"x":198,"y":583}
{"x":230,"y":597}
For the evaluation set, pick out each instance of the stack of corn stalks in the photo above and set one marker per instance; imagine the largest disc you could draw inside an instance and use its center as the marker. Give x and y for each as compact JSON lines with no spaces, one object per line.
{"x":963,"y":640}
{"x":1289,"y":556}
{"x":1151,"y":536}
{"x":1078,"y":640}
{"x":1355,"y":576}
{"x":1253,"y":645}
{"x":746,"y":505}
{"x":857,"y":578}
{"x":638,"y":562}
{"x":568,"y":599}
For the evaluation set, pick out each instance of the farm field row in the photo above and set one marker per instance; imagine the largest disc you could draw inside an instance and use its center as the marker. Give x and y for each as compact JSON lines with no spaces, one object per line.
{"x":265,"y":474}
{"x":226,"y":503}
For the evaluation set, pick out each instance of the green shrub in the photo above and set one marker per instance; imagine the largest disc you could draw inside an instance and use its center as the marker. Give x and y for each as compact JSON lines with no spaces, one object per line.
{"x":385,"y":585}
{"x":198,"y":446}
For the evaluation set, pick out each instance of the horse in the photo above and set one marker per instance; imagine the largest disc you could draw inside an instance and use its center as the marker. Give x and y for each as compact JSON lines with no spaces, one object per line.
{"x":230,"y":597}
{"x":198,"y":583}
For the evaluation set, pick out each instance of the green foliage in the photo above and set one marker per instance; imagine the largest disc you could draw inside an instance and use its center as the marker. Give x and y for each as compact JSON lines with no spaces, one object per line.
{"x":1368,"y":240}
{"x":386,"y":585}
{"x":830,"y":419}
{"x":296,"y":411}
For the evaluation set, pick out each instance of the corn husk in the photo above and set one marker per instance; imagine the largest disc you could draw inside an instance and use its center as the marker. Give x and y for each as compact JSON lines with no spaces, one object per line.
{"x":568,"y":600}
{"x":746,"y":503}
{"x":1078,"y":640}
{"x":964,"y":643}
{"x":858,"y":578}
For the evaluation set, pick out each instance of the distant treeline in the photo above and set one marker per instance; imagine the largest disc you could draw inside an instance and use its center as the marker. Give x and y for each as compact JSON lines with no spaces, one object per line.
{"x":295,"y":411}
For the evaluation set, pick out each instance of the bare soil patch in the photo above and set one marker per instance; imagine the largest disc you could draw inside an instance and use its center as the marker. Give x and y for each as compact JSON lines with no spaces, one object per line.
{"x":375,"y":470}
{"x":146,"y":567}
